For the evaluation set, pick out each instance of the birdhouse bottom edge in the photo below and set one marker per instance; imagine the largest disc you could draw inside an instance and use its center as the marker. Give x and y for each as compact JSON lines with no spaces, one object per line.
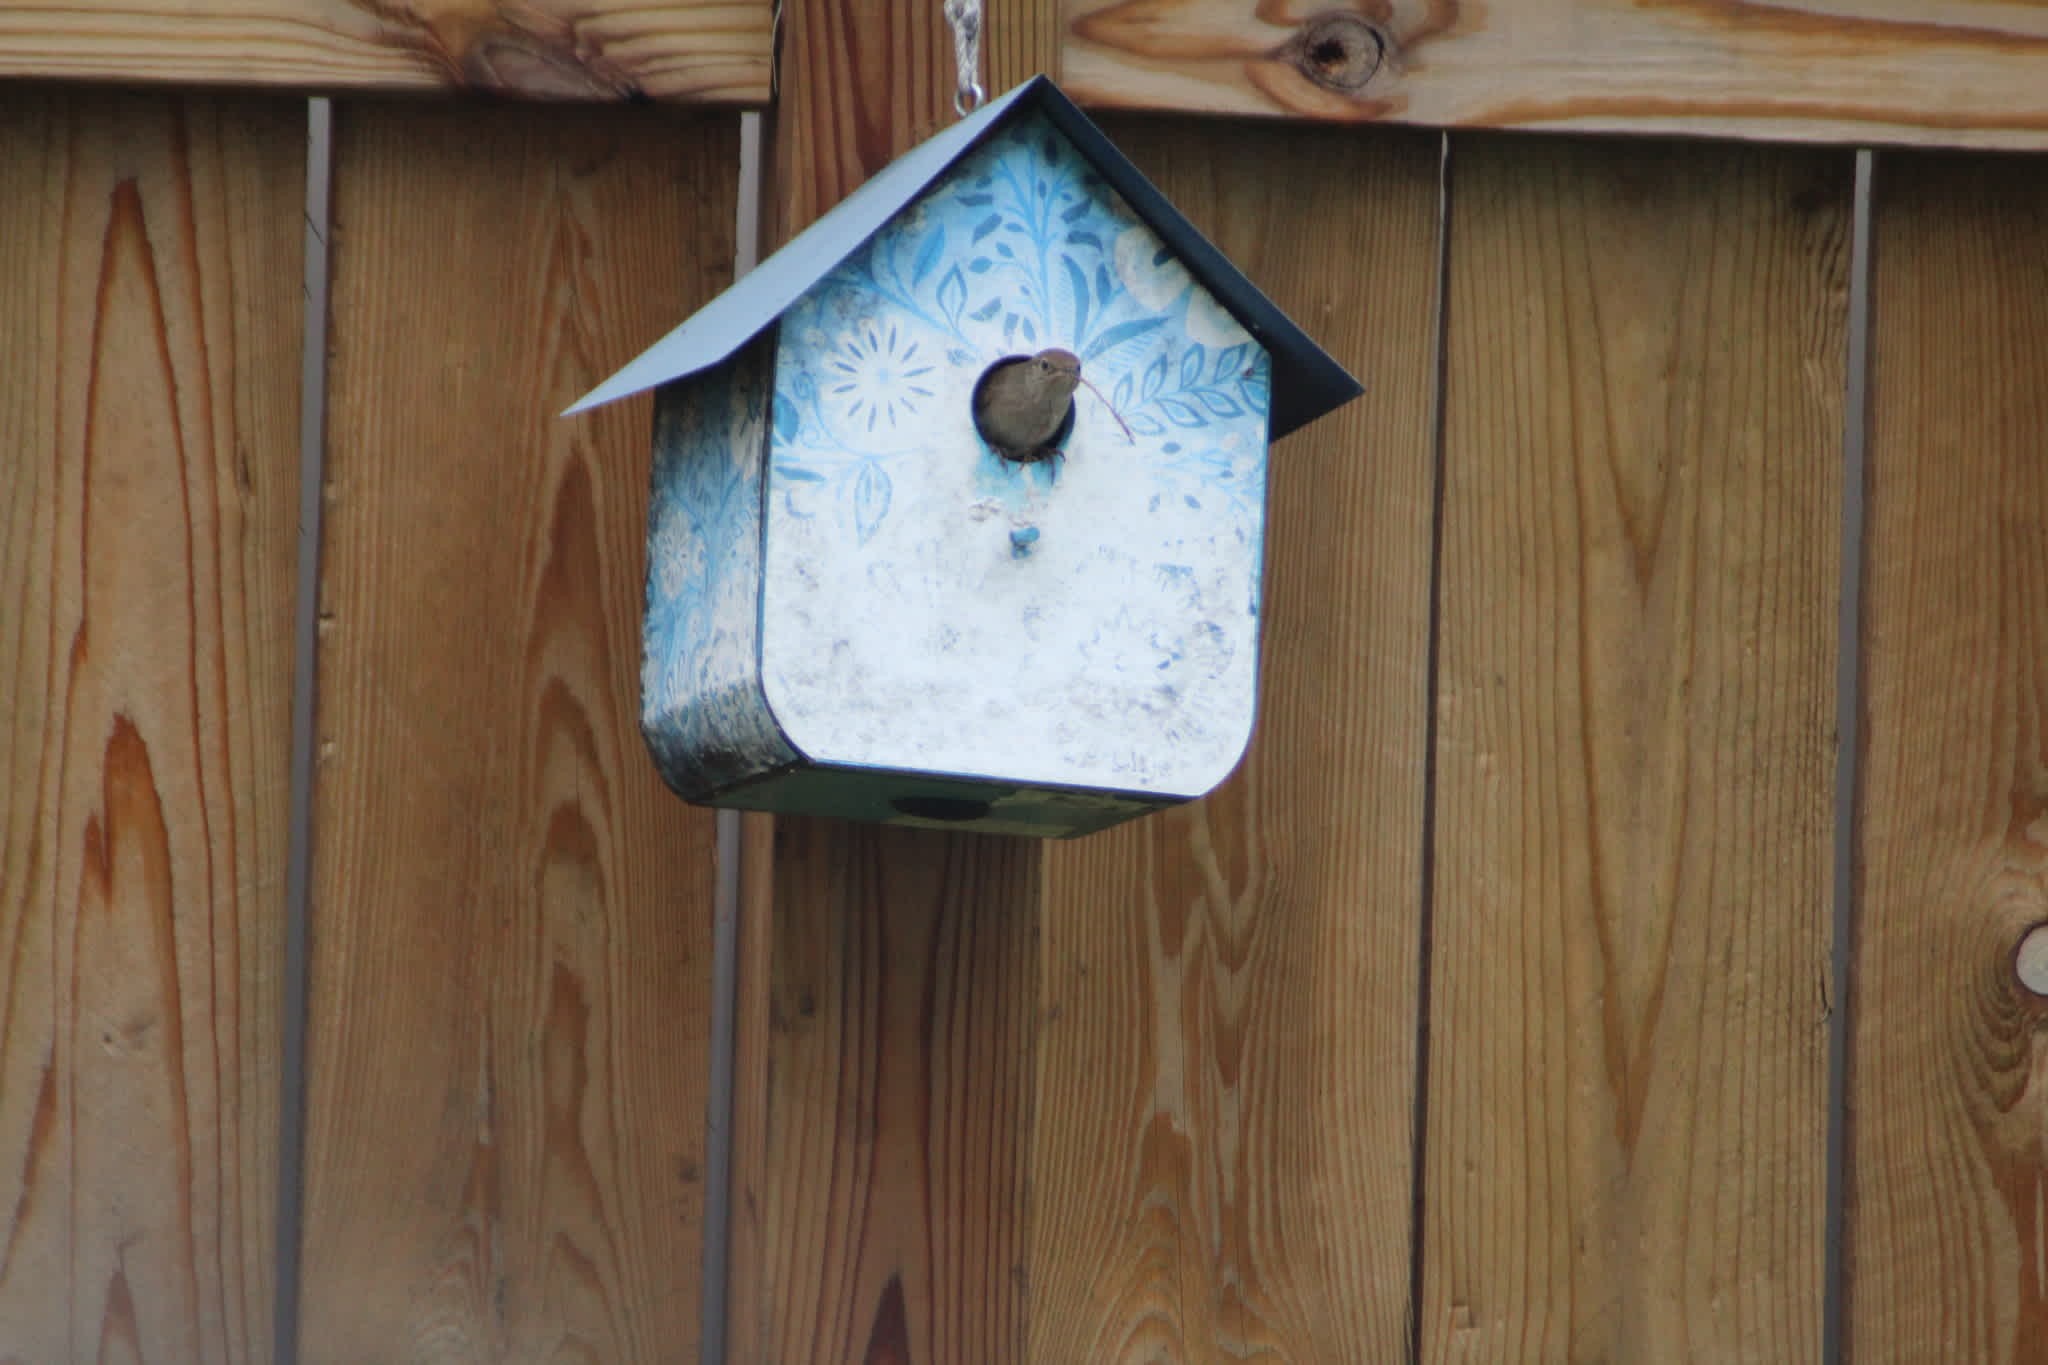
{"x":933,"y":801}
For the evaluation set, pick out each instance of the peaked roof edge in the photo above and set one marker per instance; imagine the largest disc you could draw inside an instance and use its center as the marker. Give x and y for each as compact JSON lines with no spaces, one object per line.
{"x":1307,"y":381}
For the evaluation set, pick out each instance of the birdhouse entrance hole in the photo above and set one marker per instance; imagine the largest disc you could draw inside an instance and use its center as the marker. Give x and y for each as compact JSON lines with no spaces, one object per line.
{"x":994,"y":439}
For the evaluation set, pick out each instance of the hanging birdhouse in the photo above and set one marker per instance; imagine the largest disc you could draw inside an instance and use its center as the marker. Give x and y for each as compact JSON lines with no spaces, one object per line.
{"x":958,"y":498}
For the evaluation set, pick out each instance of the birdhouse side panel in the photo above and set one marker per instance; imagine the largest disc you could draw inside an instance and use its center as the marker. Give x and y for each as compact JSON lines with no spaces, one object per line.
{"x":703,"y":712}
{"x":1089,"y":621}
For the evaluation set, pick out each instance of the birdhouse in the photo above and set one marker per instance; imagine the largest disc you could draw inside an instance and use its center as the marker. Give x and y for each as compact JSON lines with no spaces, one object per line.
{"x":870,"y":596}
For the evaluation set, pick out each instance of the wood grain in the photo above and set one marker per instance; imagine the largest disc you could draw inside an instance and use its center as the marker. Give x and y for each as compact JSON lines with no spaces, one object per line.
{"x":531,"y":49}
{"x":887,"y":978}
{"x":1632,"y":924}
{"x":881,"y":1190}
{"x":1948,"y":1219}
{"x":512,"y":918}
{"x":861,"y":84}
{"x":1226,"y":1079}
{"x":149,"y":320}
{"x":1953,"y":72}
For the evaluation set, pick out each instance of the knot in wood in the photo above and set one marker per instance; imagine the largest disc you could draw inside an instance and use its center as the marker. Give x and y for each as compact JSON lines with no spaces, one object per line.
{"x":1338,"y":51}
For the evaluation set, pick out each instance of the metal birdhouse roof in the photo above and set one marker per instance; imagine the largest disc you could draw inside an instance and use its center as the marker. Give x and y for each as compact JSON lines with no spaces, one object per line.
{"x":1306,"y":382}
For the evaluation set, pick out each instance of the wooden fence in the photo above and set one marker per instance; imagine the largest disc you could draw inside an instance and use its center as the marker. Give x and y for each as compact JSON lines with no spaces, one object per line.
{"x":1609,"y":951}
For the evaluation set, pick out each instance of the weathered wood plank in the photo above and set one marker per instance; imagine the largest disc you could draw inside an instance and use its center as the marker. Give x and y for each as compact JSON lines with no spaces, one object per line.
{"x":150,"y":272}
{"x":1954,"y":72}
{"x":1625,"y":1153}
{"x":888,"y":978}
{"x":512,"y":918}
{"x":1221,"y":1166}
{"x":1948,"y":1220}
{"x":538,"y":49}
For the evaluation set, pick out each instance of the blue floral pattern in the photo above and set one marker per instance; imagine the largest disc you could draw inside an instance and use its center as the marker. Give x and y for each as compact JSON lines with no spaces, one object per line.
{"x":841,"y":573}
{"x":702,"y":710}
{"x":1018,"y":248}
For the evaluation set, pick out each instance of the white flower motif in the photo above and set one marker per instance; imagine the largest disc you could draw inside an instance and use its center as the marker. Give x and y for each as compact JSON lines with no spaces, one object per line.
{"x":876,"y":375}
{"x":1211,"y":324}
{"x":1153,"y":274}
{"x":677,"y":553}
{"x":1155,"y":277}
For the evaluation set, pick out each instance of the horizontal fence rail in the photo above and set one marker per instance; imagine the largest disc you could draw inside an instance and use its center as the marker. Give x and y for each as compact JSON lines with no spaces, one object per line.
{"x":692,"y":50}
{"x":1951,"y":73}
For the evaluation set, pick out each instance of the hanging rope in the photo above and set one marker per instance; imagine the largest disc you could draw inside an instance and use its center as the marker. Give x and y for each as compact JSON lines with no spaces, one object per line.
{"x":964,"y":16}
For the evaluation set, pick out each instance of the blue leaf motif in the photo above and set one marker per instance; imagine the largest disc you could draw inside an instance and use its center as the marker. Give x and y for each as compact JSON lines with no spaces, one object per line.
{"x":1009,"y":326}
{"x":979,"y":265}
{"x":1119,"y":334}
{"x":799,"y":473}
{"x":1079,"y":283}
{"x":928,"y":255}
{"x":871,"y":493}
{"x":977,"y":200}
{"x":1145,"y":425}
{"x":1155,"y":377}
{"x":1004,"y":249}
{"x":1105,"y":287}
{"x":1080,"y":207}
{"x":1084,"y":239}
{"x":987,"y":310}
{"x":1191,"y":365}
{"x":960,"y":355}
{"x":785,"y":419}
{"x":1030,"y":333}
{"x":987,"y":225}
{"x":953,"y":295}
{"x":1219,"y":402}
{"x":1181,"y":414}
{"x":1230,"y":362}
{"x":1122,"y":395}
{"x":1253,"y":391}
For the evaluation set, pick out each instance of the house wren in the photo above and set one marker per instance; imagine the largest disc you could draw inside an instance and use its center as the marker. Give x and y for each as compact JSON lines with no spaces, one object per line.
{"x":1020,"y":404}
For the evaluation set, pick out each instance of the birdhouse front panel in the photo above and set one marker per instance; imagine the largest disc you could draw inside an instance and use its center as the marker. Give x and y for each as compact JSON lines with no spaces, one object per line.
{"x":1088,"y":620}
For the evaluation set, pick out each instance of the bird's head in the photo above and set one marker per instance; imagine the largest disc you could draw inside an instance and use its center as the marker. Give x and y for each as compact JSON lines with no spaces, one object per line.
{"x":1059,"y":371}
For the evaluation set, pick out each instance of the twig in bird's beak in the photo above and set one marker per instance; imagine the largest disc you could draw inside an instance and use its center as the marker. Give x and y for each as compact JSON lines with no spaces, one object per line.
{"x":1112,"y":411}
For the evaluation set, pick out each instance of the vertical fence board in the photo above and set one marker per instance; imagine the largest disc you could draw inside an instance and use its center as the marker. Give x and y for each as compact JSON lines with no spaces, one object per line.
{"x":1949,"y":1134}
{"x":511,"y":917}
{"x":888,"y":1199}
{"x":1221,"y":1166}
{"x":1629,"y":1039}
{"x":888,"y":977}
{"x":149,"y":325}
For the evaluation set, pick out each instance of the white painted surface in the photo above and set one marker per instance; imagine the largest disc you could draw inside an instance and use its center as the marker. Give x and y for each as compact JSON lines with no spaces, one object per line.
{"x":901,"y":628}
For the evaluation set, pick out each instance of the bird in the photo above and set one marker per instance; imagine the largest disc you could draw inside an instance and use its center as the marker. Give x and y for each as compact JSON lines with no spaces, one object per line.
{"x":1021,"y":402}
